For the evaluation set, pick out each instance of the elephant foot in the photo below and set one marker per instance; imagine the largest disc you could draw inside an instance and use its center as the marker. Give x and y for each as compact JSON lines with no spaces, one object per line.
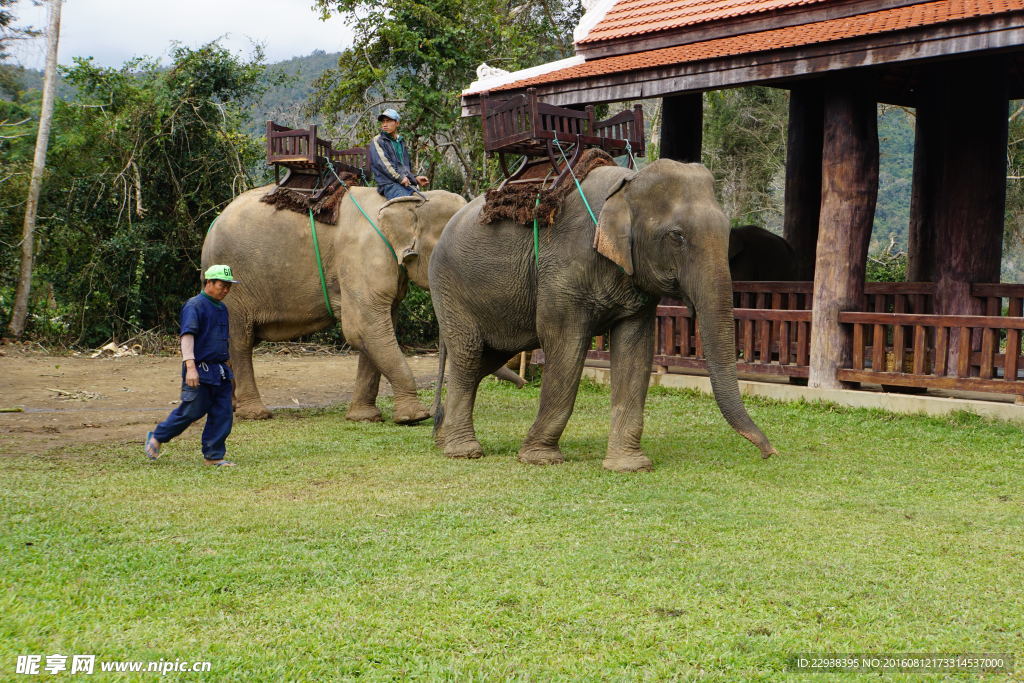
{"x":627,"y":462}
{"x":541,"y":456}
{"x":252,"y":411}
{"x":410,"y":414}
{"x":469,"y":450}
{"x":362,"y":413}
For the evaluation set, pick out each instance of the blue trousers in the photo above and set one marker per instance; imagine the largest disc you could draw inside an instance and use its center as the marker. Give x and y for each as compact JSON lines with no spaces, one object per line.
{"x":392,"y":190}
{"x":211,"y":400}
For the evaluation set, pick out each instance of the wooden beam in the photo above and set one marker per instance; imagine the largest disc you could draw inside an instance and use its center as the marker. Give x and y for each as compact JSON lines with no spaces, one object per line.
{"x":927,"y":162}
{"x":1003,"y":32}
{"x":803,"y":176}
{"x":682,"y":127}
{"x":849,"y":189}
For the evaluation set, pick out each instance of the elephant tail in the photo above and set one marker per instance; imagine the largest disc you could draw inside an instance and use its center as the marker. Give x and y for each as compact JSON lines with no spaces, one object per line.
{"x":442,"y":356}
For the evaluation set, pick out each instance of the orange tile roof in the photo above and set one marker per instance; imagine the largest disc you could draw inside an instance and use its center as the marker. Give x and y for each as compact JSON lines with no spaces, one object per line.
{"x":884,"y":21}
{"x":634,"y":17}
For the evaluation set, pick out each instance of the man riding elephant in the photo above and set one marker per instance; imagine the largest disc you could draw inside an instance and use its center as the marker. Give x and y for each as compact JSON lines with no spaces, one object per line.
{"x":390,"y":162}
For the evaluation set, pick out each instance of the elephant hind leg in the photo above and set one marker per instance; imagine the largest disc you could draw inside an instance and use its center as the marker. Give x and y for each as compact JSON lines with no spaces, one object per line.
{"x":363,"y":406}
{"x":468,"y":363}
{"x":247,"y":400}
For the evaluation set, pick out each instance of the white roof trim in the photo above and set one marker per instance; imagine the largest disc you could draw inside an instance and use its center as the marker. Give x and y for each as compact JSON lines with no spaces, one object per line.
{"x":504,"y":79}
{"x":594,"y":14}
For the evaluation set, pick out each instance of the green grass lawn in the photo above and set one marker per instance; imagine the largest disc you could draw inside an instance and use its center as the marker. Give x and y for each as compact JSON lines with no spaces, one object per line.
{"x":340,"y":550}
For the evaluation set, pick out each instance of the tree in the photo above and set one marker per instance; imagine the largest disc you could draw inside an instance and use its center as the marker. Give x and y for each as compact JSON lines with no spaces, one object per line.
{"x":418,"y":55}
{"x":20,"y":310}
{"x":145,"y":157}
{"x":744,"y":146}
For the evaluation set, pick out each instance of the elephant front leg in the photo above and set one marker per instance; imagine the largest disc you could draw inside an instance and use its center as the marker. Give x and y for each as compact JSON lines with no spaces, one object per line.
{"x":373,"y":333}
{"x":363,"y":407}
{"x":632,"y":351}
{"x":563,"y":366}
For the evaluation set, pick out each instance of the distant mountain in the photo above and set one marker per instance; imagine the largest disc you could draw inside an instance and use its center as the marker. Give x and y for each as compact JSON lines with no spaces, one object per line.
{"x":285,"y":103}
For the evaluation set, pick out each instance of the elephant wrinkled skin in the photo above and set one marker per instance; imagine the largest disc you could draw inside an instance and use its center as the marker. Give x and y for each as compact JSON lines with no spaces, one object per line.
{"x":661,"y":233}
{"x":279,"y":296}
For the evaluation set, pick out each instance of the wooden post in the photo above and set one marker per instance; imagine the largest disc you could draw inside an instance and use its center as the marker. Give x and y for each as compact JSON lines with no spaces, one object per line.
{"x":803,"y":176}
{"x":682,"y":127}
{"x":849,"y":189}
{"x":970,"y":197}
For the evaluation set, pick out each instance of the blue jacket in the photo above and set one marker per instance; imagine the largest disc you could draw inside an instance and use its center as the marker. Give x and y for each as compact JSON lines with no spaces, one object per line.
{"x":208,"y":321}
{"x":389,"y":160}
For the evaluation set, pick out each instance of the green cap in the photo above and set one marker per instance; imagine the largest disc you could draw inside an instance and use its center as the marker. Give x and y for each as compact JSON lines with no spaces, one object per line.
{"x":219,"y":273}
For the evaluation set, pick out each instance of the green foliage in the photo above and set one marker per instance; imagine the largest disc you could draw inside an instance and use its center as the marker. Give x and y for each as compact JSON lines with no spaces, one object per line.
{"x":417,"y":324}
{"x":143,"y":159}
{"x":357,"y":550}
{"x":887,"y":265}
{"x":418,"y":56}
{"x":744,"y":146}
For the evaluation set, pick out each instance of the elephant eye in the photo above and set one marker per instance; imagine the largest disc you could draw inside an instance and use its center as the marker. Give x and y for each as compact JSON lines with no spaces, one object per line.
{"x":676,"y":235}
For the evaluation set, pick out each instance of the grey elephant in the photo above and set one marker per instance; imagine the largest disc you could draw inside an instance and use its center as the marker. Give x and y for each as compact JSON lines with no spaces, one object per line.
{"x":660,"y":233}
{"x":759,"y":254}
{"x":280,"y":295}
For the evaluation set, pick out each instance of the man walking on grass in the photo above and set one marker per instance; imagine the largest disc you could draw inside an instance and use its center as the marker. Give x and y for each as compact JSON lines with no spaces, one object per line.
{"x":206,"y":371}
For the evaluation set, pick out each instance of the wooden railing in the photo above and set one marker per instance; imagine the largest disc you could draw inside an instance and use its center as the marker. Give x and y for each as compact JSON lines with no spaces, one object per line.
{"x":966,"y":352}
{"x":896,"y":340}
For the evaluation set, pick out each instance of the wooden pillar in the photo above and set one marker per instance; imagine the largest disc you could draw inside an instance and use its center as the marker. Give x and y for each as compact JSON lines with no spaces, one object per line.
{"x":849,"y":189}
{"x":803,"y":176}
{"x":682,"y":127}
{"x":969,"y":198}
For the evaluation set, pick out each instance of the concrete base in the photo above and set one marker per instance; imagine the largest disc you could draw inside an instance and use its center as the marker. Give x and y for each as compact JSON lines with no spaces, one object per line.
{"x":894,"y":403}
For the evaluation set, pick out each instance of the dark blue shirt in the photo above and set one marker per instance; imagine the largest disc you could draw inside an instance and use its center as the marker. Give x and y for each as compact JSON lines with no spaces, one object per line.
{"x":207,"y":320}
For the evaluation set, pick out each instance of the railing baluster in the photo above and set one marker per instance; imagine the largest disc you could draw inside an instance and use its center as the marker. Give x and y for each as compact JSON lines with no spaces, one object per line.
{"x":858,"y":346}
{"x":963,"y":361}
{"x":920,"y":349}
{"x":942,"y":351}
{"x":988,"y":352}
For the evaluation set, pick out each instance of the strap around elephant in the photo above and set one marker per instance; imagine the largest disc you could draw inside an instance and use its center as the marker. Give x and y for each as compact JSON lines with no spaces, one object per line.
{"x":320,"y":264}
{"x":370,"y":220}
{"x":576,"y":180}
{"x":536,"y":235}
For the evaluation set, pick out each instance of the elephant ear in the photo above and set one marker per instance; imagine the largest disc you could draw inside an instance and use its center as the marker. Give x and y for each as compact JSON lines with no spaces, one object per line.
{"x":613,"y":238}
{"x":398,"y":220}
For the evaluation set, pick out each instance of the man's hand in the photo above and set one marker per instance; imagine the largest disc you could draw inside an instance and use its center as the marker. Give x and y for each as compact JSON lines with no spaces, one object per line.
{"x":191,"y":374}
{"x":405,"y":182}
{"x":422,"y":180}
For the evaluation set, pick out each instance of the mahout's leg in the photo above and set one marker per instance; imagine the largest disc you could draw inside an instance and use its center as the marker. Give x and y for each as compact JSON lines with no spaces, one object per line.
{"x":564,"y":353}
{"x":632,"y":342}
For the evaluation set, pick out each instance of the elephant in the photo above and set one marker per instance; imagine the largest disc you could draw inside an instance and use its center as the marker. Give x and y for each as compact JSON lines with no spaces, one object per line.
{"x":280,"y":296}
{"x":758,"y":254}
{"x":660,"y":232}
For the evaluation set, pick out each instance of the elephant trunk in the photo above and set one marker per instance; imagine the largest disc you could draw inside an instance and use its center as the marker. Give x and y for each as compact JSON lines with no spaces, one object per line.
{"x":713,"y":305}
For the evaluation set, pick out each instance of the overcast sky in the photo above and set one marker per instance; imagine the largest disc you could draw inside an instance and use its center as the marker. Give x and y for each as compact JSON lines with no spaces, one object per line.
{"x":113,"y":31}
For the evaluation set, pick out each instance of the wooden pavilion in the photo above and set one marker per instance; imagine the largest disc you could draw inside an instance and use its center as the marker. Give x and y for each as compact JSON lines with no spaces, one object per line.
{"x":958,"y":62}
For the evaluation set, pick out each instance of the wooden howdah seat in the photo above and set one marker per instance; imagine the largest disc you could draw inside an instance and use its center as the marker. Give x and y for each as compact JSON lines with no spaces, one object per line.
{"x":305,"y":157}
{"x":541,"y":133}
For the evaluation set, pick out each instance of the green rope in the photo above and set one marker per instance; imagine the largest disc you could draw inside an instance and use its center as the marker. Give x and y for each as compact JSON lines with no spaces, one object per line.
{"x":579,"y":188}
{"x":211,"y":225}
{"x":370,"y":220}
{"x":536,"y":235}
{"x":320,"y":263}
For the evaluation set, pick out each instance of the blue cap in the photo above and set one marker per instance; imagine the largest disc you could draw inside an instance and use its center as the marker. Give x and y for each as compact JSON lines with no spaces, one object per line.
{"x":389,"y":114}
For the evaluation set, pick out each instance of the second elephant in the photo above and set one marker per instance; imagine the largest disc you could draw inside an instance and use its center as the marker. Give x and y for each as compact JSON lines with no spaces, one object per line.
{"x":660,"y":233}
{"x":758,"y":254}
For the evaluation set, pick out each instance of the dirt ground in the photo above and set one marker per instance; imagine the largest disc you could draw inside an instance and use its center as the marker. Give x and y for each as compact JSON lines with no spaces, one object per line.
{"x":69,"y":399}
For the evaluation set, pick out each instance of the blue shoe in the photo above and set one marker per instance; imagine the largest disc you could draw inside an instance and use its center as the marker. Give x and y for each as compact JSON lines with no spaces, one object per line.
{"x":152,"y":452}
